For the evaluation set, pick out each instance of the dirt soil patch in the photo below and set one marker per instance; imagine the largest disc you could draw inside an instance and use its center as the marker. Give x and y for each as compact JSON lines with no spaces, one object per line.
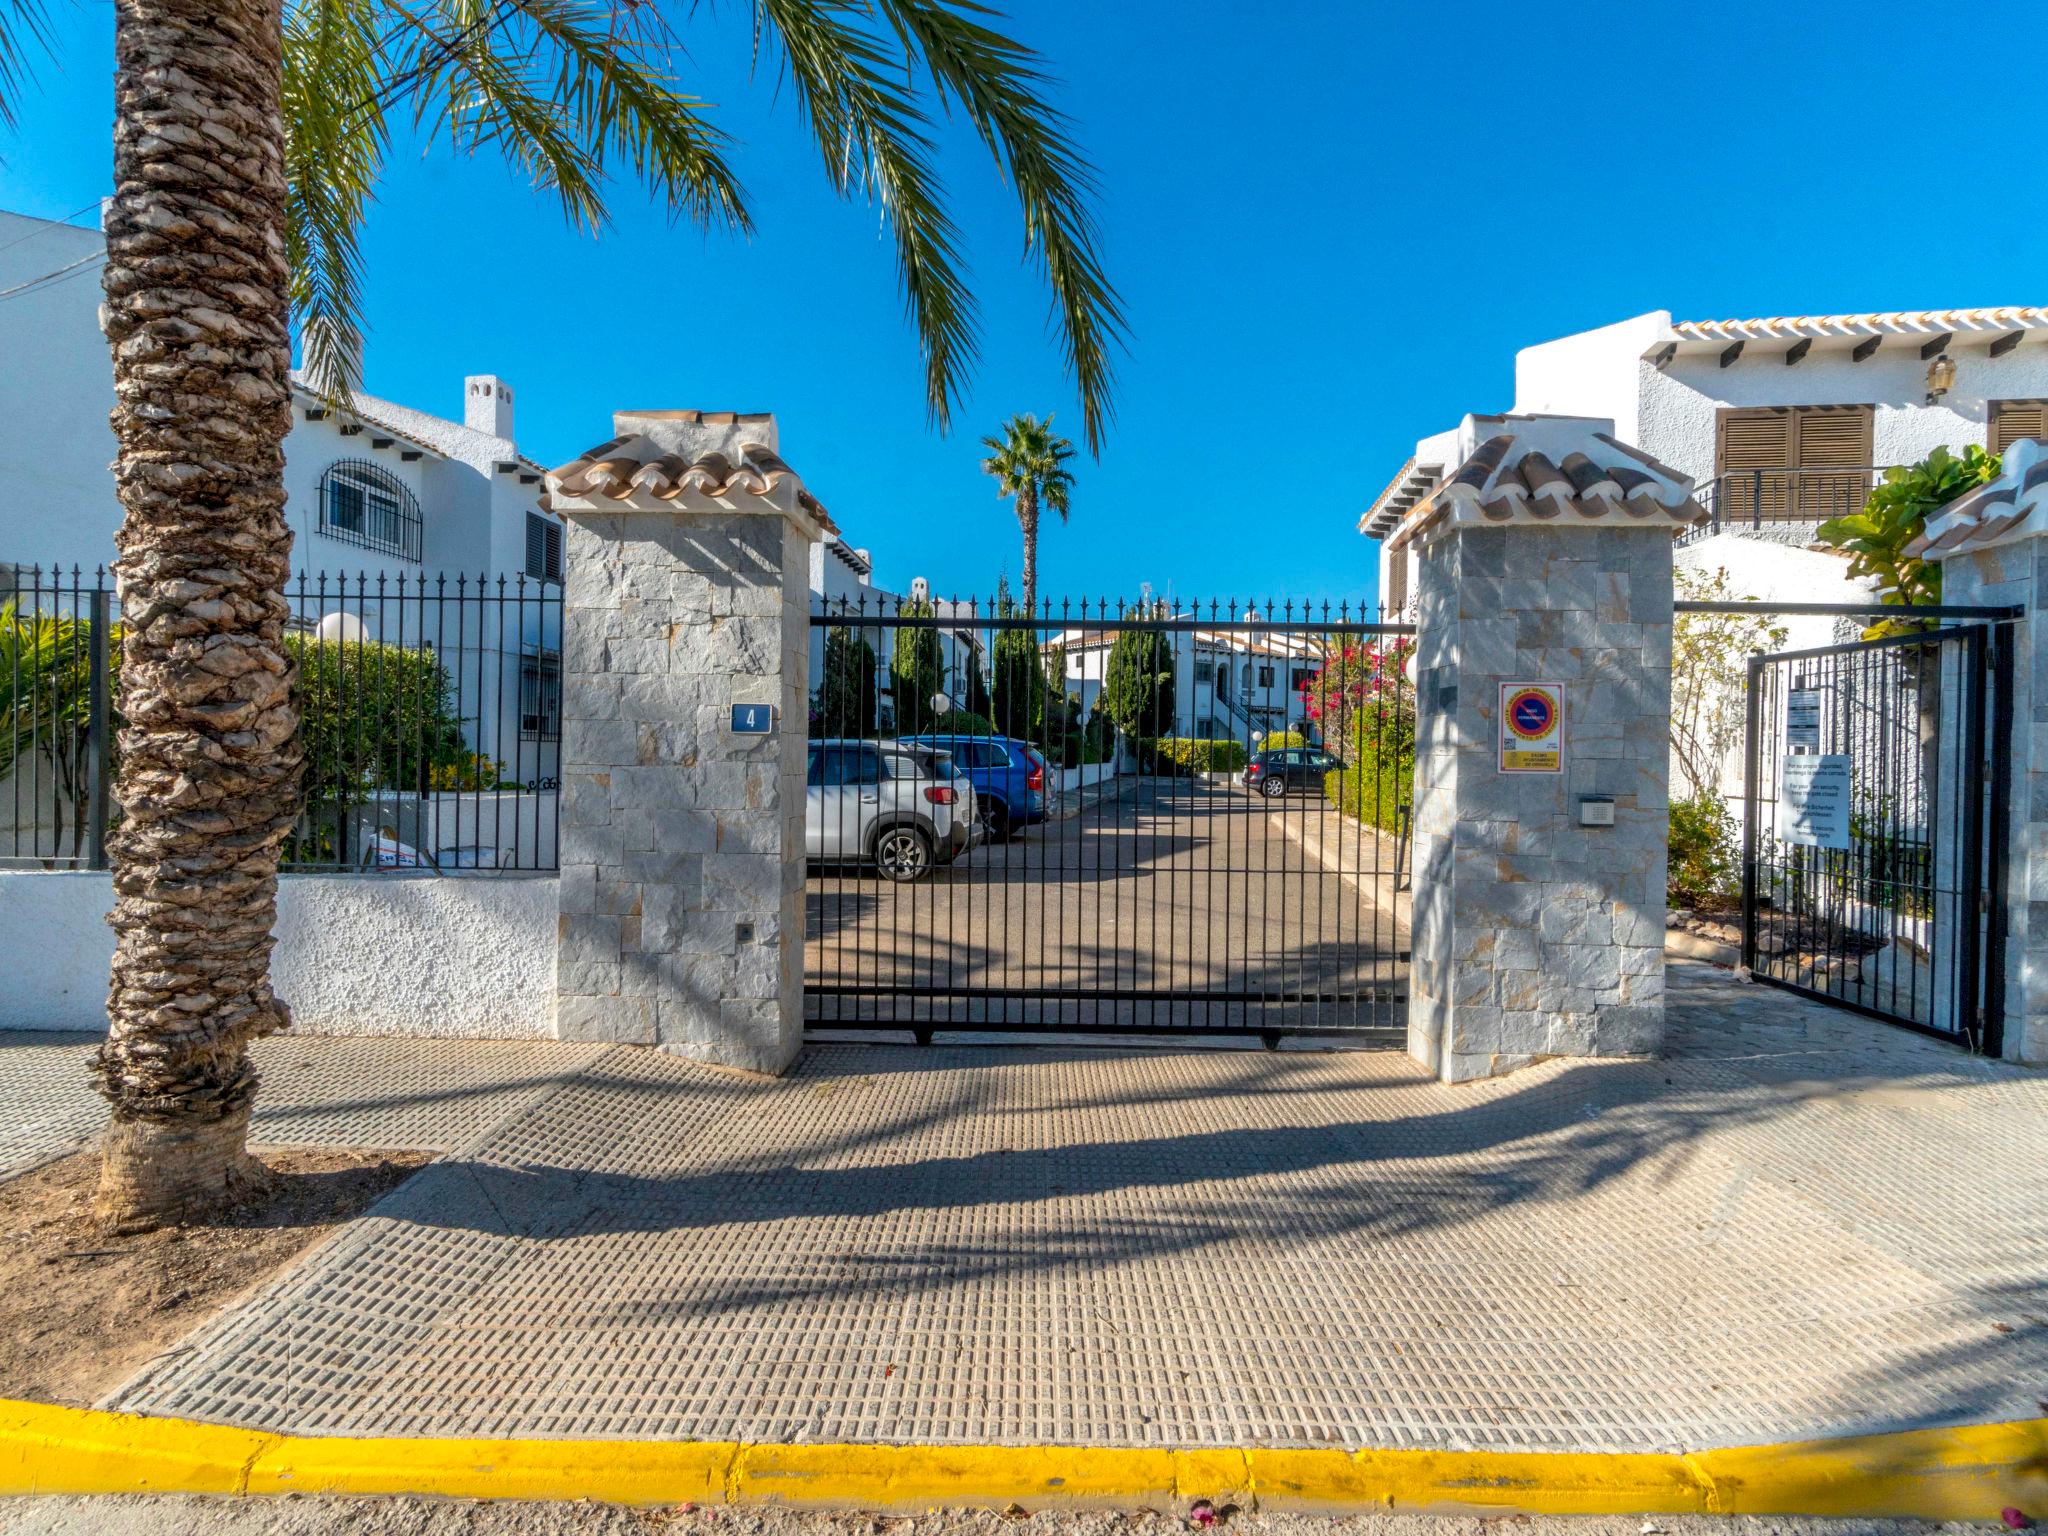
{"x":81,"y":1310}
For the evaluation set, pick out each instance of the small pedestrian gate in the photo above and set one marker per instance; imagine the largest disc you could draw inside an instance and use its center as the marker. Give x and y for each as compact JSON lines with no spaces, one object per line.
{"x":1874,"y":822}
{"x":1127,"y":873}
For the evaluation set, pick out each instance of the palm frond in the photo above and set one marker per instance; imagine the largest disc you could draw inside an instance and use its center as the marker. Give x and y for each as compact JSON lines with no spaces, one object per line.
{"x":335,"y":141}
{"x":484,"y":96}
{"x":609,"y":81}
{"x":875,"y":140}
{"x":1002,"y":88}
{"x":24,"y":29}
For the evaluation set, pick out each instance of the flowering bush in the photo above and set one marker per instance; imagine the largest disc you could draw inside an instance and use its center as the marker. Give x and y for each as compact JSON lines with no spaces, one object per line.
{"x":1365,"y":706}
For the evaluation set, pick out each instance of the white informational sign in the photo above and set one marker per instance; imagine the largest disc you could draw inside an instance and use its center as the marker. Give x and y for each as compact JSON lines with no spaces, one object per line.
{"x":1802,"y":719}
{"x":1532,"y":728}
{"x":1813,"y":799}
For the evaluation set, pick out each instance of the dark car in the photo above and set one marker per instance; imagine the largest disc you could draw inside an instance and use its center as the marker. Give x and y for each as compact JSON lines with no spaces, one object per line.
{"x":1276,"y":771}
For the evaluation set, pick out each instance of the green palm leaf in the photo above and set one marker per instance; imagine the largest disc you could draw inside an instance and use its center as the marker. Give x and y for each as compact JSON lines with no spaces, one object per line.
{"x":573,"y":93}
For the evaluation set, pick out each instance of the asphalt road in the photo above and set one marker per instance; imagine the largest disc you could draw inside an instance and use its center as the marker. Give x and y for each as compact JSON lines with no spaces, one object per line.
{"x":1195,"y":904}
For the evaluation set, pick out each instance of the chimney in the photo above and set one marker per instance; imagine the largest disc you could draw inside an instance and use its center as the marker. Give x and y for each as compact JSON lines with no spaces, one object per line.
{"x":487,"y":405}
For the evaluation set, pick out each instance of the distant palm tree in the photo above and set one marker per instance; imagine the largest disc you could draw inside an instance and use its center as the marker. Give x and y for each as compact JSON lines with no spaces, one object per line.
{"x":1029,"y":464}
{"x":249,"y":136}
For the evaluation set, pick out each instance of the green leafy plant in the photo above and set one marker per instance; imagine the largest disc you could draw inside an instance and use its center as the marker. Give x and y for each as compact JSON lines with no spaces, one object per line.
{"x":846,"y":701}
{"x":46,"y":705}
{"x":1137,"y":683}
{"x":1196,"y":754}
{"x":373,"y":718}
{"x":1020,"y":688}
{"x":1275,"y":741}
{"x":916,"y":671}
{"x":1893,"y":516}
{"x":1363,"y":703}
{"x":1701,"y":867}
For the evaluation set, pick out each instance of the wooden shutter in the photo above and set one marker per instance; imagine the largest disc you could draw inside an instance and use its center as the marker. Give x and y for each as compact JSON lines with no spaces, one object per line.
{"x":543,"y":548}
{"x":2012,"y":420}
{"x":1832,"y":450}
{"x":1753,"y":440}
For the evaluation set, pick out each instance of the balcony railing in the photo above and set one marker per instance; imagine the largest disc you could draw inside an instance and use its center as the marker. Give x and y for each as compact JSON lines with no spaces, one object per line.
{"x":1779,"y":498}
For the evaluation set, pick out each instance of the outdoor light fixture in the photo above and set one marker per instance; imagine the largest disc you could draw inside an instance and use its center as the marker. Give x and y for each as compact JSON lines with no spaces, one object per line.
{"x":1941,"y":378}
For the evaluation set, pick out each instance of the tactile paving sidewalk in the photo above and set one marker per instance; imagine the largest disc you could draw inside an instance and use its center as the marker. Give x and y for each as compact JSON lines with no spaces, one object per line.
{"x":1793,"y":1228}
{"x":319,"y":1090}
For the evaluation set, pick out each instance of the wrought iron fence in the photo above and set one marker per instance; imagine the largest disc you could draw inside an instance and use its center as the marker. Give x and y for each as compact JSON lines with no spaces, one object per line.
{"x":1875,"y":805}
{"x":430,"y":716}
{"x":1779,"y":498}
{"x":1107,"y":817}
{"x":58,"y":635}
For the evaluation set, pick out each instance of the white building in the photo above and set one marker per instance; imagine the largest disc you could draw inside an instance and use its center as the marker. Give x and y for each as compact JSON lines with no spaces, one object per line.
{"x":1783,"y":422}
{"x":1228,"y":685}
{"x":409,"y":528}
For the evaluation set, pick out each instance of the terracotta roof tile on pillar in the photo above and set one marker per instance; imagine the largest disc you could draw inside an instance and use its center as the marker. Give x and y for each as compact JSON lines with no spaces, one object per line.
{"x":664,"y":454}
{"x":1550,"y":469}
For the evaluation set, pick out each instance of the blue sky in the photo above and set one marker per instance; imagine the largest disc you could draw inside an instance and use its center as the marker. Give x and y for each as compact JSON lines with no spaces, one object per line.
{"x":1332,"y":225}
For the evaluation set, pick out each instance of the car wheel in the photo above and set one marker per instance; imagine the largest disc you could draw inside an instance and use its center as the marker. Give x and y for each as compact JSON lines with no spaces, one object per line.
{"x":1273,"y":788}
{"x":903,"y":854}
{"x":995,"y":821}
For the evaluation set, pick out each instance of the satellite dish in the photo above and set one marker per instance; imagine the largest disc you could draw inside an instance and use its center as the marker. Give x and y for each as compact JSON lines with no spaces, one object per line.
{"x":344,"y":627}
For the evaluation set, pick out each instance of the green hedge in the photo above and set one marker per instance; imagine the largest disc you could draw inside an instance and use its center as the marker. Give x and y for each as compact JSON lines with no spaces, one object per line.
{"x":1375,"y":790}
{"x":1191,"y":754}
{"x":1280,"y":739}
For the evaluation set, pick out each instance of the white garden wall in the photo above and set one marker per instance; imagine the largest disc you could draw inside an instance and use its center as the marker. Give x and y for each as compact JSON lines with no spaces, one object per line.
{"x":356,"y":954}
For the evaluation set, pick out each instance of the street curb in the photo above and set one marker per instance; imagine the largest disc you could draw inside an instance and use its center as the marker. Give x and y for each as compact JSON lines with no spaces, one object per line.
{"x":1967,"y":1473}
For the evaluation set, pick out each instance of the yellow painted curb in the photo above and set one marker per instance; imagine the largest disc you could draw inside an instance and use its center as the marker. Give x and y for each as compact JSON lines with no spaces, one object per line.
{"x":1942,"y":1474}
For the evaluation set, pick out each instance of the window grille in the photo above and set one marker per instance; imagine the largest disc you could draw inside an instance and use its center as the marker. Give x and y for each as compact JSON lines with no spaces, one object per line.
{"x":540,"y":697}
{"x":366,"y":505}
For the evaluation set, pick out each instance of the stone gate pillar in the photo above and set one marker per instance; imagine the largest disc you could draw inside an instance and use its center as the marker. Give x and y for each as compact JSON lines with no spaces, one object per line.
{"x":684,"y":649}
{"x":1993,"y":549}
{"x":1543,"y":701}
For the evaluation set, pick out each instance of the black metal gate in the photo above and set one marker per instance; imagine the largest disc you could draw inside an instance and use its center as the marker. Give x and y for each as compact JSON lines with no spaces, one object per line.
{"x":1874,"y":823}
{"x":1107,"y":819}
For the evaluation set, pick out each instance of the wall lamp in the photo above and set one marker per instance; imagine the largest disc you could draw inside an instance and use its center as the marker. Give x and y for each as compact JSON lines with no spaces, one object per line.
{"x":1941,"y":378}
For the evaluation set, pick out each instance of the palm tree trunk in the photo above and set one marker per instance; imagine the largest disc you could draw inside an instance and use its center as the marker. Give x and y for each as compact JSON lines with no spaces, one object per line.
{"x":1027,"y":519}
{"x":210,"y":762}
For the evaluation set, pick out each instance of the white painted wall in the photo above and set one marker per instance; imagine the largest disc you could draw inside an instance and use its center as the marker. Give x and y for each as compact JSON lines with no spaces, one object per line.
{"x":57,"y":501}
{"x":1679,"y":404}
{"x":1590,"y":374}
{"x":356,"y":954}
{"x":1671,"y":412}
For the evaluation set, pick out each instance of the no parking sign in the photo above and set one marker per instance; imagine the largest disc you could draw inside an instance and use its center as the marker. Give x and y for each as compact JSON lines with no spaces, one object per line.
{"x":1531,"y":728}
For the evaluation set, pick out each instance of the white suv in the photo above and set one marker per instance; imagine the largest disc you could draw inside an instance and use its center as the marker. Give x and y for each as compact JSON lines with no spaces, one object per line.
{"x":905,"y":809}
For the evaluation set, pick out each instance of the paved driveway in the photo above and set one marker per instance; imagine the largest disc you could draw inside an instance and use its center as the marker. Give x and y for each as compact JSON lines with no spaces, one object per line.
{"x":1801,"y":1223}
{"x":1184,"y":899}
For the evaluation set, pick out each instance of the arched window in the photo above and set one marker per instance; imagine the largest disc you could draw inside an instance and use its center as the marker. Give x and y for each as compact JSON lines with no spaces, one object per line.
{"x":365,"y":504}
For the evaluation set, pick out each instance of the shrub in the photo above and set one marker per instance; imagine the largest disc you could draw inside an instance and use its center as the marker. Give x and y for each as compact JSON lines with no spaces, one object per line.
{"x":1098,"y":737}
{"x":1276,"y":740}
{"x":1376,"y":790}
{"x":847,"y":696}
{"x":963,"y":722}
{"x":1137,"y":682}
{"x":1191,"y":754}
{"x":1702,"y":866}
{"x":916,"y":671}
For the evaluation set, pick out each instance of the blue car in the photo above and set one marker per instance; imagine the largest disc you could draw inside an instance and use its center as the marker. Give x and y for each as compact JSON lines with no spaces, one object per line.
{"x":1008,"y":778}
